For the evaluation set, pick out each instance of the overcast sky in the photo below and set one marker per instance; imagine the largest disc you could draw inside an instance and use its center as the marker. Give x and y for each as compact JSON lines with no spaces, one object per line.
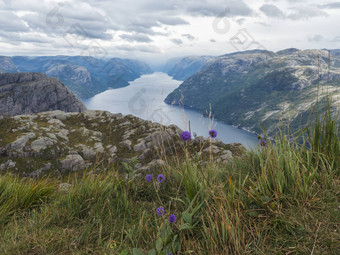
{"x":154,"y":30}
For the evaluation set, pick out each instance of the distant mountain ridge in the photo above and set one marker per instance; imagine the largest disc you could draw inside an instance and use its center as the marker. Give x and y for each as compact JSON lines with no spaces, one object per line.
{"x":182,"y":68}
{"x":7,"y":65}
{"x":85,"y":76}
{"x":27,"y":93}
{"x":263,"y":89}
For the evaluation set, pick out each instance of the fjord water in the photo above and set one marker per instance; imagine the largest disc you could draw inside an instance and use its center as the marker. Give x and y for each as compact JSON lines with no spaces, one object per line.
{"x":144,"y":98}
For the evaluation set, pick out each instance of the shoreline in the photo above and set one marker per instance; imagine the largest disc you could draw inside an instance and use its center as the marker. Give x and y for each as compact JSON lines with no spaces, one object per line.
{"x":219,"y":120}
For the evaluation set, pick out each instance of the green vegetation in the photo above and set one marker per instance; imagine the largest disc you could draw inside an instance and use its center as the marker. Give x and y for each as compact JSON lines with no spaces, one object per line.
{"x":254,"y":90}
{"x":279,"y":199}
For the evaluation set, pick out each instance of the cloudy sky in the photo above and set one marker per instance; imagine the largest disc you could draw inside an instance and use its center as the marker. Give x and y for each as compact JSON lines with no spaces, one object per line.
{"x":155,"y":30}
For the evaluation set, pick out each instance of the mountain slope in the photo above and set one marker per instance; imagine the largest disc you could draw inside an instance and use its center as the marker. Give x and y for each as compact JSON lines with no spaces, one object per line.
{"x":261,"y":89}
{"x":183,"y":68}
{"x":85,"y":76}
{"x":7,"y":65}
{"x":25,"y":93}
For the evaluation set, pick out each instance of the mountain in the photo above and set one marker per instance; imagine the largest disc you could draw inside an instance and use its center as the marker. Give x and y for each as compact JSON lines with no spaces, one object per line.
{"x":85,"y":76}
{"x":263,"y":89}
{"x":183,"y":68}
{"x":7,"y":65}
{"x":25,"y":93}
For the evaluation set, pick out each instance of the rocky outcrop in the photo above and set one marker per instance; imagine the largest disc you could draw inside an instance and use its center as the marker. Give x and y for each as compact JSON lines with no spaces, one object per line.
{"x":25,"y":93}
{"x":58,"y":143}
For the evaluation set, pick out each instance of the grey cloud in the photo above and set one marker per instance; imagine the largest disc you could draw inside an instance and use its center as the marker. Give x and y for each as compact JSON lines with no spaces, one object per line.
{"x":272,"y":11}
{"x":136,"y":38}
{"x":99,"y":19}
{"x":214,"y":8}
{"x":141,"y":48}
{"x":299,"y":12}
{"x":336,"y":39}
{"x":315,"y":38}
{"x":177,"y":41}
{"x":212,"y":40}
{"x":334,"y":5}
{"x":189,"y":37}
{"x":10,"y":22}
{"x":199,"y":7}
{"x":306,"y":12}
{"x":240,"y":21}
{"x":172,"y":21}
{"x":62,"y":18}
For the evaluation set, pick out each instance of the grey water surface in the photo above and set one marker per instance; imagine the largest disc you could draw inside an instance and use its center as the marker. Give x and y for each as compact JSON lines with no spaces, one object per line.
{"x":144,"y":98}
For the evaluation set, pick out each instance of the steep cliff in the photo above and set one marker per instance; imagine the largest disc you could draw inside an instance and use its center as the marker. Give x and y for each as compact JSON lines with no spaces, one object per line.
{"x":25,"y":93}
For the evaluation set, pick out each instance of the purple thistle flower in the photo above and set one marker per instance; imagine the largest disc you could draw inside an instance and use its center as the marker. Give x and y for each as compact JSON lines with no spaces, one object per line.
{"x":172,"y":218}
{"x":160,"y":178}
{"x":213,"y":133}
{"x":160,"y":211}
{"x":263,"y":143}
{"x":186,"y":136}
{"x":148,"y":177}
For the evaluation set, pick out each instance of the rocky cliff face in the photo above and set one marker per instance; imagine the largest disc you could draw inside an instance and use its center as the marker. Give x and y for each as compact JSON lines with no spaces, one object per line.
{"x":77,"y":78}
{"x":58,"y":143}
{"x":263,"y":89}
{"x":25,"y":93}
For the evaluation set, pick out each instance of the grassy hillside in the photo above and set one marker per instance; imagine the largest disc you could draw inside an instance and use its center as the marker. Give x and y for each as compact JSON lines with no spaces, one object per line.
{"x":282,"y":198}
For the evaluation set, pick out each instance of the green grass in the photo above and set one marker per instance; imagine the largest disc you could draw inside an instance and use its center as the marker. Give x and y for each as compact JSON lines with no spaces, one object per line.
{"x":278,"y":199}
